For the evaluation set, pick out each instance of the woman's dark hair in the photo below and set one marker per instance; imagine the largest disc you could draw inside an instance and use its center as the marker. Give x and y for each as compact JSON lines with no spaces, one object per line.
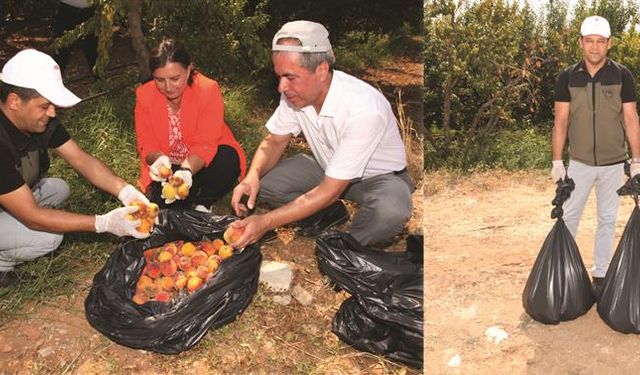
{"x":170,"y":50}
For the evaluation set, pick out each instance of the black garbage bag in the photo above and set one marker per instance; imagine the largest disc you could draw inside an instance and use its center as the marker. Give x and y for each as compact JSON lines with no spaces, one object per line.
{"x":619,"y":301}
{"x":175,"y":326}
{"x":558,"y":287}
{"x":384,"y":314}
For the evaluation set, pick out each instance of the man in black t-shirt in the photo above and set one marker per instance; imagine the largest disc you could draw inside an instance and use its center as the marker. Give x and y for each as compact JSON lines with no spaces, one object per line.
{"x":595,"y":113}
{"x":30,"y":90}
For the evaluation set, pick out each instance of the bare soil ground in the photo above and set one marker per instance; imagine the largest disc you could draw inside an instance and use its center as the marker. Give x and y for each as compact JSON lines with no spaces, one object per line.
{"x":55,"y":338}
{"x":483,"y":234}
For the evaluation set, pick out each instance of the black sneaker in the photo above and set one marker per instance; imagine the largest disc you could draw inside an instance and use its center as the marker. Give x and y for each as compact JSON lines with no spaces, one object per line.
{"x":598,"y":283}
{"x":8,"y":279}
{"x":322,"y":220}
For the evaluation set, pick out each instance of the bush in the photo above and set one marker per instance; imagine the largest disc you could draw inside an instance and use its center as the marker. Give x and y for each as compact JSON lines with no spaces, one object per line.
{"x":510,"y":149}
{"x":359,"y":50}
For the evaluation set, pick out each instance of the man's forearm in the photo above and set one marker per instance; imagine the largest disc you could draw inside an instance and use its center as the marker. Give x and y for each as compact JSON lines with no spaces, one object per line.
{"x":267,"y":156}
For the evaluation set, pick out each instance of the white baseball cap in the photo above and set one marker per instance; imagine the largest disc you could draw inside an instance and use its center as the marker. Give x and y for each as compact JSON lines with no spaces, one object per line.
{"x":313,"y":36}
{"x":33,"y":69}
{"x":595,"y":25}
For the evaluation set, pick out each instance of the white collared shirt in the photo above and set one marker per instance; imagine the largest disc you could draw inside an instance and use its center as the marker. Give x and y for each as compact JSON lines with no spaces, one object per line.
{"x":354,"y":136}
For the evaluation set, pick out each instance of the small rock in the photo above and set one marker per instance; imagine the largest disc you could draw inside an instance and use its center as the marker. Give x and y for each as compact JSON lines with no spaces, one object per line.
{"x":276,"y":275}
{"x":454,"y":361}
{"x":305,"y":298}
{"x":495,"y":334}
{"x":45,"y":352}
{"x":283,"y":300}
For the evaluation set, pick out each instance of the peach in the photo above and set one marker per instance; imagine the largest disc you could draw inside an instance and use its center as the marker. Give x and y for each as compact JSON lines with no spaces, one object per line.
{"x":188,"y":249}
{"x":168,"y":268}
{"x":169,"y":192}
{"x":202,"y":272}
{"x":153,"y":210}
{"x":232,"y":234}
{"x":185,"y":263}
{"x":145,"y":226}
{"x":212,"y":264}
{"x":199,"y":258}
{"x":217,"y":257}
{"x":225,"y":251}
{"x":153,"y":270}
{"x":152,"y":289}
{"x":207,"y":247}
{"x":149,"y":254}
{"x":164,"y":172}
{"x":143,"y":281}
{"x":217,"y":243}
{"x":175,"y":181}
{"x":167,"y":283}
{"x":194,"y":283}
{"x":170,"y":247}
{"x":181,"y":281}
{"x":140,"y":298}
{"x":164,"y":256}
{"x":183,"y":191}
{"x":162,"y":296}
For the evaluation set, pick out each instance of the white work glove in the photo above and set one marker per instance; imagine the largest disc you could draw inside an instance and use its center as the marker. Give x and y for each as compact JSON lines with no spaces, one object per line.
{"x":634,"y":168}
{"x":116,"y":222}
{"x":186,"y":176}
{"x":154,"y":169}
{"x":130,"y":194}
{"x":557,"y":170}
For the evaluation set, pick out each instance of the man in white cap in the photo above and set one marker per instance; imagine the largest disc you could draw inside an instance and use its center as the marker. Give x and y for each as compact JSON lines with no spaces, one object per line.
{"x":30,"y":90}
{"x":353,"y":135}
{"x":595,"y":109}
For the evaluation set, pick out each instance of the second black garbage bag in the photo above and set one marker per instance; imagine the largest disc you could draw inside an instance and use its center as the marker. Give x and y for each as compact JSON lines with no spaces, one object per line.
{"x":171,"y":327}
{"x":384,"y":314}
{"x":619,"y":301}
{"x":558,"y":288}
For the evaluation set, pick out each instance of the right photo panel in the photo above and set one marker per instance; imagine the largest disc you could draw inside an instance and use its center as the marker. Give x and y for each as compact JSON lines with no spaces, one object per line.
{"x":532,"y":179}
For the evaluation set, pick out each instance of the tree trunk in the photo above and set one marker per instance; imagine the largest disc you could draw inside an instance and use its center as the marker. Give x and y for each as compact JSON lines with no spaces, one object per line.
{"x":137,"y":38}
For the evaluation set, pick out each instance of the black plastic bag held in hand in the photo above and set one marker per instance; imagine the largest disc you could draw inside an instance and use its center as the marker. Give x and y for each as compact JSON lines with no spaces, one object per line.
{"x":619,"y":301}
{"x":558,"y":287}
{"x":384,"y":314}
{"x":175,"y":326}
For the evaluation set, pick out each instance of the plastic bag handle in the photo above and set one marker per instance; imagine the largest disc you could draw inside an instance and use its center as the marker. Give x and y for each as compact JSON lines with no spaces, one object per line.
{"x":631,"y":187}
{"x":563,"y":192}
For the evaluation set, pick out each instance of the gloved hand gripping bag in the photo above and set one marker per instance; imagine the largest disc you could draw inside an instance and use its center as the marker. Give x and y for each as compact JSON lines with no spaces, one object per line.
{"x":558,"y":288}
{"x":174,"y":326}
{"x":619,"y":301}
{"x":384,"y":314}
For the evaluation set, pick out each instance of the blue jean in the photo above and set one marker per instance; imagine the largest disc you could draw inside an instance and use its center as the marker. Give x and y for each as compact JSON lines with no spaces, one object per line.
{"x":607,"y":180}
{"x":20,"y":244}
{"x":384,"y":201}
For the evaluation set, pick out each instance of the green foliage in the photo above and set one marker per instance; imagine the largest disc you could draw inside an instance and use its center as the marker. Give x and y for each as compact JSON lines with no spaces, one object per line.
{"x":223,"y":41}
{"x":509,"y":149}
{"x":360,"y":49}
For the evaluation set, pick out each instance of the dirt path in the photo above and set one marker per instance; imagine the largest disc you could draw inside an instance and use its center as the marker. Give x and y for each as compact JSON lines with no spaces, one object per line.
{"x":485,"y":231}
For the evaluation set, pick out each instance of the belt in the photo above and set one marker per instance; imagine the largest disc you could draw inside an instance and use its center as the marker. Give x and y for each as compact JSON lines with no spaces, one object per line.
{"x":400,"y":171}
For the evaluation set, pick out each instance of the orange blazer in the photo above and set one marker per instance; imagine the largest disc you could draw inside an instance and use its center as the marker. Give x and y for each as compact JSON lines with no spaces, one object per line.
{"x":201,"y":120}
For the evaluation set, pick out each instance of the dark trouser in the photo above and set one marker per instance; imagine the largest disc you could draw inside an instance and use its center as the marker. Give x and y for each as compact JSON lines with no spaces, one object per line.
{"x":67,"y":18}
{"x":385,"y":203}
{"x":209,"y":184}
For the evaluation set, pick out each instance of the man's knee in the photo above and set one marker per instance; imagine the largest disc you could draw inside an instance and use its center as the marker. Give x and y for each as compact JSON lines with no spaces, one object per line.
{"x":45,"y":243}
{"x":53,"y":192}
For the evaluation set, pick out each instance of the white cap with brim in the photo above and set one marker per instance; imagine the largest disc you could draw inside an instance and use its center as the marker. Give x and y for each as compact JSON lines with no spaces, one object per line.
{"x":313,"y":36}
{"x":33,"y":69}
{"x":595,"y":25}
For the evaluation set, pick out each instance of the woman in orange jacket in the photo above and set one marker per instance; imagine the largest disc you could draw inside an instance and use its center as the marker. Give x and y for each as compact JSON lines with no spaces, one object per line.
{"x":180,"y":126}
